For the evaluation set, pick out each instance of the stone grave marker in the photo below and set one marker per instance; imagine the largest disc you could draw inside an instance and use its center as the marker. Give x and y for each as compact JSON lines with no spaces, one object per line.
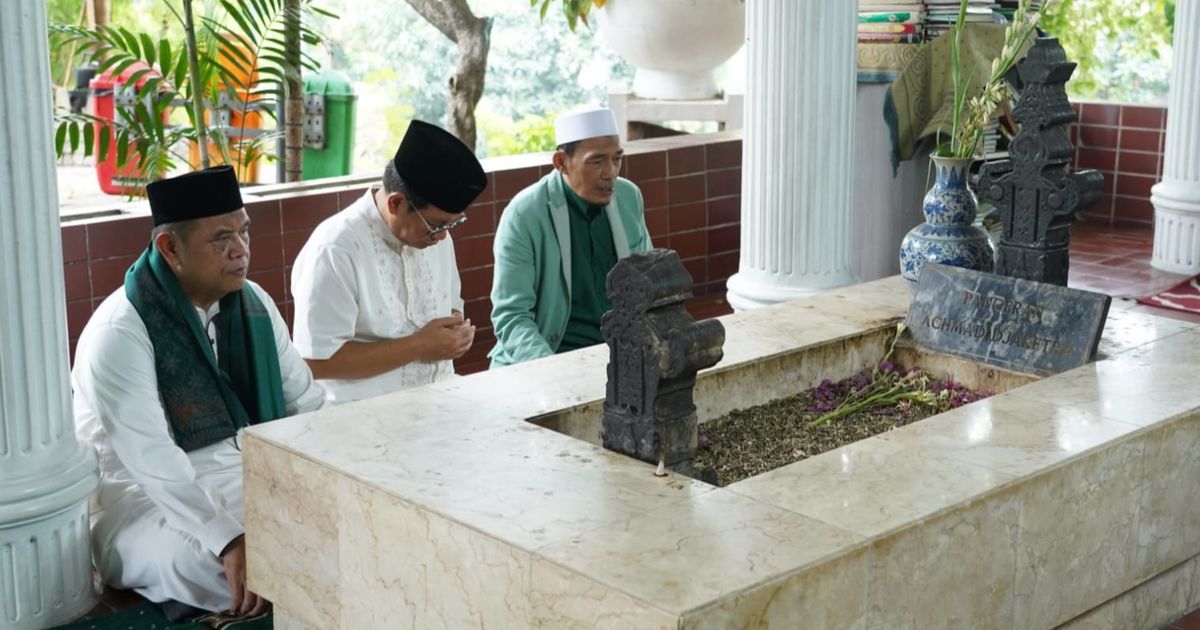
{"x":1037,"y":196}
{"x":1020,"y":325}
{"x":655,"y":350}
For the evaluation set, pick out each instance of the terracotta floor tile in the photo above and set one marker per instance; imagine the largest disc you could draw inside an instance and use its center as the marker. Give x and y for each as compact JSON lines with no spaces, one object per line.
{"x":1115,"y":259}
{"x":1166,"y":312}
{"x":1189,"y":622}
{"x":1117,"y":289}
{"x":1085,"y":257}
{"x":1084,"y":282}
{"x":1157,"y":281}
{"x":1132,"y":278}
{"x":1127,"y":262}
{"x":1089,"y":269}
{"x":1092,"y":247}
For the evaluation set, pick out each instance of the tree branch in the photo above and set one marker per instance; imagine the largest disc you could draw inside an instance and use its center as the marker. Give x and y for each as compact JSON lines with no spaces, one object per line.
{"x":293,"y":128}
{"x":437,"y":13}
{"x":460,"y":11}
{"x":472,"y":35}
{"x":196,"y":86}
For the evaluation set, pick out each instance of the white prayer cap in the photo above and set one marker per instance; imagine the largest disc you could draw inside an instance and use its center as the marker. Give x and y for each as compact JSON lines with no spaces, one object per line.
{"x":582,"y":124}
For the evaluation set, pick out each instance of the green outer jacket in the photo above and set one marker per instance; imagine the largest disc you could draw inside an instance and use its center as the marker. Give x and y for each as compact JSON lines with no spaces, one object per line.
{"x":531,"y":283}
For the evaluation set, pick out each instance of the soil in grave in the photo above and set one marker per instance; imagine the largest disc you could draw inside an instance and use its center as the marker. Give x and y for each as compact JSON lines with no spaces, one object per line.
{"x":749,"y":442}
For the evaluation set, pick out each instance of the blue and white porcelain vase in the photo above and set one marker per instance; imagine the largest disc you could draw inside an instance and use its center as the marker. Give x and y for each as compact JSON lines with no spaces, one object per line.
{"x":947,"y":236}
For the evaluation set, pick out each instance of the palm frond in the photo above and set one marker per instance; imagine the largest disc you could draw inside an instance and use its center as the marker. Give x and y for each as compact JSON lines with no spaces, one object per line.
{"x":248,"y":49}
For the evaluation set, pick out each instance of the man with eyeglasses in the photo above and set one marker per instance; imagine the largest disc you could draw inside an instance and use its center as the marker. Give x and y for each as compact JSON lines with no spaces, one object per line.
{"x":168,"y":370}
{"x":557,"y":241}
{"x":376,"y":288}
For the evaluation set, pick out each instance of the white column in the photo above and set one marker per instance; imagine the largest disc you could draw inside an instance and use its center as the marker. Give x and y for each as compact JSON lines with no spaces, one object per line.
{"x":45,"y":474}
{"x":798,"y":148}
{"x":1177,"y":197}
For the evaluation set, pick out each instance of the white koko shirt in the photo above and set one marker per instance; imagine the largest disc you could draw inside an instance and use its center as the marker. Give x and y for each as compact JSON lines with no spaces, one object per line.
{"x":119,"y":412}
{"x":355,"y":281}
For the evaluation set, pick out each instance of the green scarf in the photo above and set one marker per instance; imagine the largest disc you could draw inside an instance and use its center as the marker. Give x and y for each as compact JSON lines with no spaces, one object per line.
{"x":207,"y":401}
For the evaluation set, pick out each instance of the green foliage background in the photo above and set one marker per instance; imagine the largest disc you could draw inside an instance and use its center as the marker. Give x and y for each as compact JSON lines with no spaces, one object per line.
{"x":400,"y":65}
{"x":538,"y":69}
{"x":1123,"y":47}
{"x":141,"y":16}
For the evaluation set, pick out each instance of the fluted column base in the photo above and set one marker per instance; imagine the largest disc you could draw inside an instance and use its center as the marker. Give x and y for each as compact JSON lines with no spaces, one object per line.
{"x":45,"y":563}
{"x":751,"y":289}
{"x":1176,"y":226}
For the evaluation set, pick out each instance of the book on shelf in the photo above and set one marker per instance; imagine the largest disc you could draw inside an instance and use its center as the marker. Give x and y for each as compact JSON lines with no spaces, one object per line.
{"x":891,"y":18}
{"x":887,"y":28}
{"x":889,"y":38}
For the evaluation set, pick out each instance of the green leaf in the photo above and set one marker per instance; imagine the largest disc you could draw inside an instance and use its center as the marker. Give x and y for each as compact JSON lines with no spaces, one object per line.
{"x":233,"y":51}
{"x":122,"y":66}
{"x":152,"y":85}
{"x":243,"y":23}
{"x":262,"y":11}
{"x":230,"y":81}
{"x":122,"y":149}
{"x":149,"y":50}
{"x":135,"y":77}
{"x":73,"y":136}
{"x":276,"y":59}
{"x":105,"y":64}
{"x":309,"y":62}
{"x":131,"y":42}
{"x":179,"y":77}
{"x":164,"y":55}
{"x":60,"y":137}
{"x":105,"y":140}
{"x":275,"y":74}
{"x":89,"y":139}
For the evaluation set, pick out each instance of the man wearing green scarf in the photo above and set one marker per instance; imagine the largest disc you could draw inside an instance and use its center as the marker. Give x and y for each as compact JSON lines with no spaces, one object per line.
{"x":557,"y":241}
{"x":167,"y":372}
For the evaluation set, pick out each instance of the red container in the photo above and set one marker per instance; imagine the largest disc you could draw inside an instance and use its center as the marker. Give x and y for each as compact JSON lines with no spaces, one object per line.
{"x":125,"y":181}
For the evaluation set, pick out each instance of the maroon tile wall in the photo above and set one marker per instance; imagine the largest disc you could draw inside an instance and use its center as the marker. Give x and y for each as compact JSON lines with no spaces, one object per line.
{"x":692,"y":191}
{"x":1125,"y":143}
{"x":691,"y":186}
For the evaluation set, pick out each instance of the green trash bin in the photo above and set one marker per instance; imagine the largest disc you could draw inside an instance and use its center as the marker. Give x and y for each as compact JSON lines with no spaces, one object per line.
{"x":328,"y":124}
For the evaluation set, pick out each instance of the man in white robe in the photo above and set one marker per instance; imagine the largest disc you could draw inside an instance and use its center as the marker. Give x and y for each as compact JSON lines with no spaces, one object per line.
{"x":167,"y":371}
{"x":376,"y":288}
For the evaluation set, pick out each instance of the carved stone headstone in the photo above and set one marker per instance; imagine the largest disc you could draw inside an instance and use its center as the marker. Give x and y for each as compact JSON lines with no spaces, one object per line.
{"x":1036,"y":195}
{"x":655,"y":349}
{"x":1030,"y":327}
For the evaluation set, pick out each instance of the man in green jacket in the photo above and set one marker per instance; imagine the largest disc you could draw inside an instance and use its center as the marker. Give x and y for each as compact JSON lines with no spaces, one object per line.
{"x":557,"y":241}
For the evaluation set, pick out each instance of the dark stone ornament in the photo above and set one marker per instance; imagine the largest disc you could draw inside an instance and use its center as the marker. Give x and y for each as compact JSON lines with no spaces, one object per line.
{"x":1036,"y":196}
{"x":655,"y":349}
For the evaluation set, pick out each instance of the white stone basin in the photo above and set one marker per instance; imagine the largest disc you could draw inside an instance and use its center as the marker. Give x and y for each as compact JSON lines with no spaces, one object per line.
{"x":443,"y":507}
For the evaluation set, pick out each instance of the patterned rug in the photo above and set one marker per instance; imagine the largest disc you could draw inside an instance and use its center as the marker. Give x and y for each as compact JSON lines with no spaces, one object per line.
{"x":1184,"y":296}
{"x":150,"y":617}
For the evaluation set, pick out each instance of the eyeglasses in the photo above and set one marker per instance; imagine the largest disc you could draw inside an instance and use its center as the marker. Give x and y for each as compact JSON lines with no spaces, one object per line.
{"x":224,"y":243}
{"x":430,"y":230}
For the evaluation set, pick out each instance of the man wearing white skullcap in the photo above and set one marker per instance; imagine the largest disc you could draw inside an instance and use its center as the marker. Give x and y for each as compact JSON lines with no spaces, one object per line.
{"x":557,"y":241}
